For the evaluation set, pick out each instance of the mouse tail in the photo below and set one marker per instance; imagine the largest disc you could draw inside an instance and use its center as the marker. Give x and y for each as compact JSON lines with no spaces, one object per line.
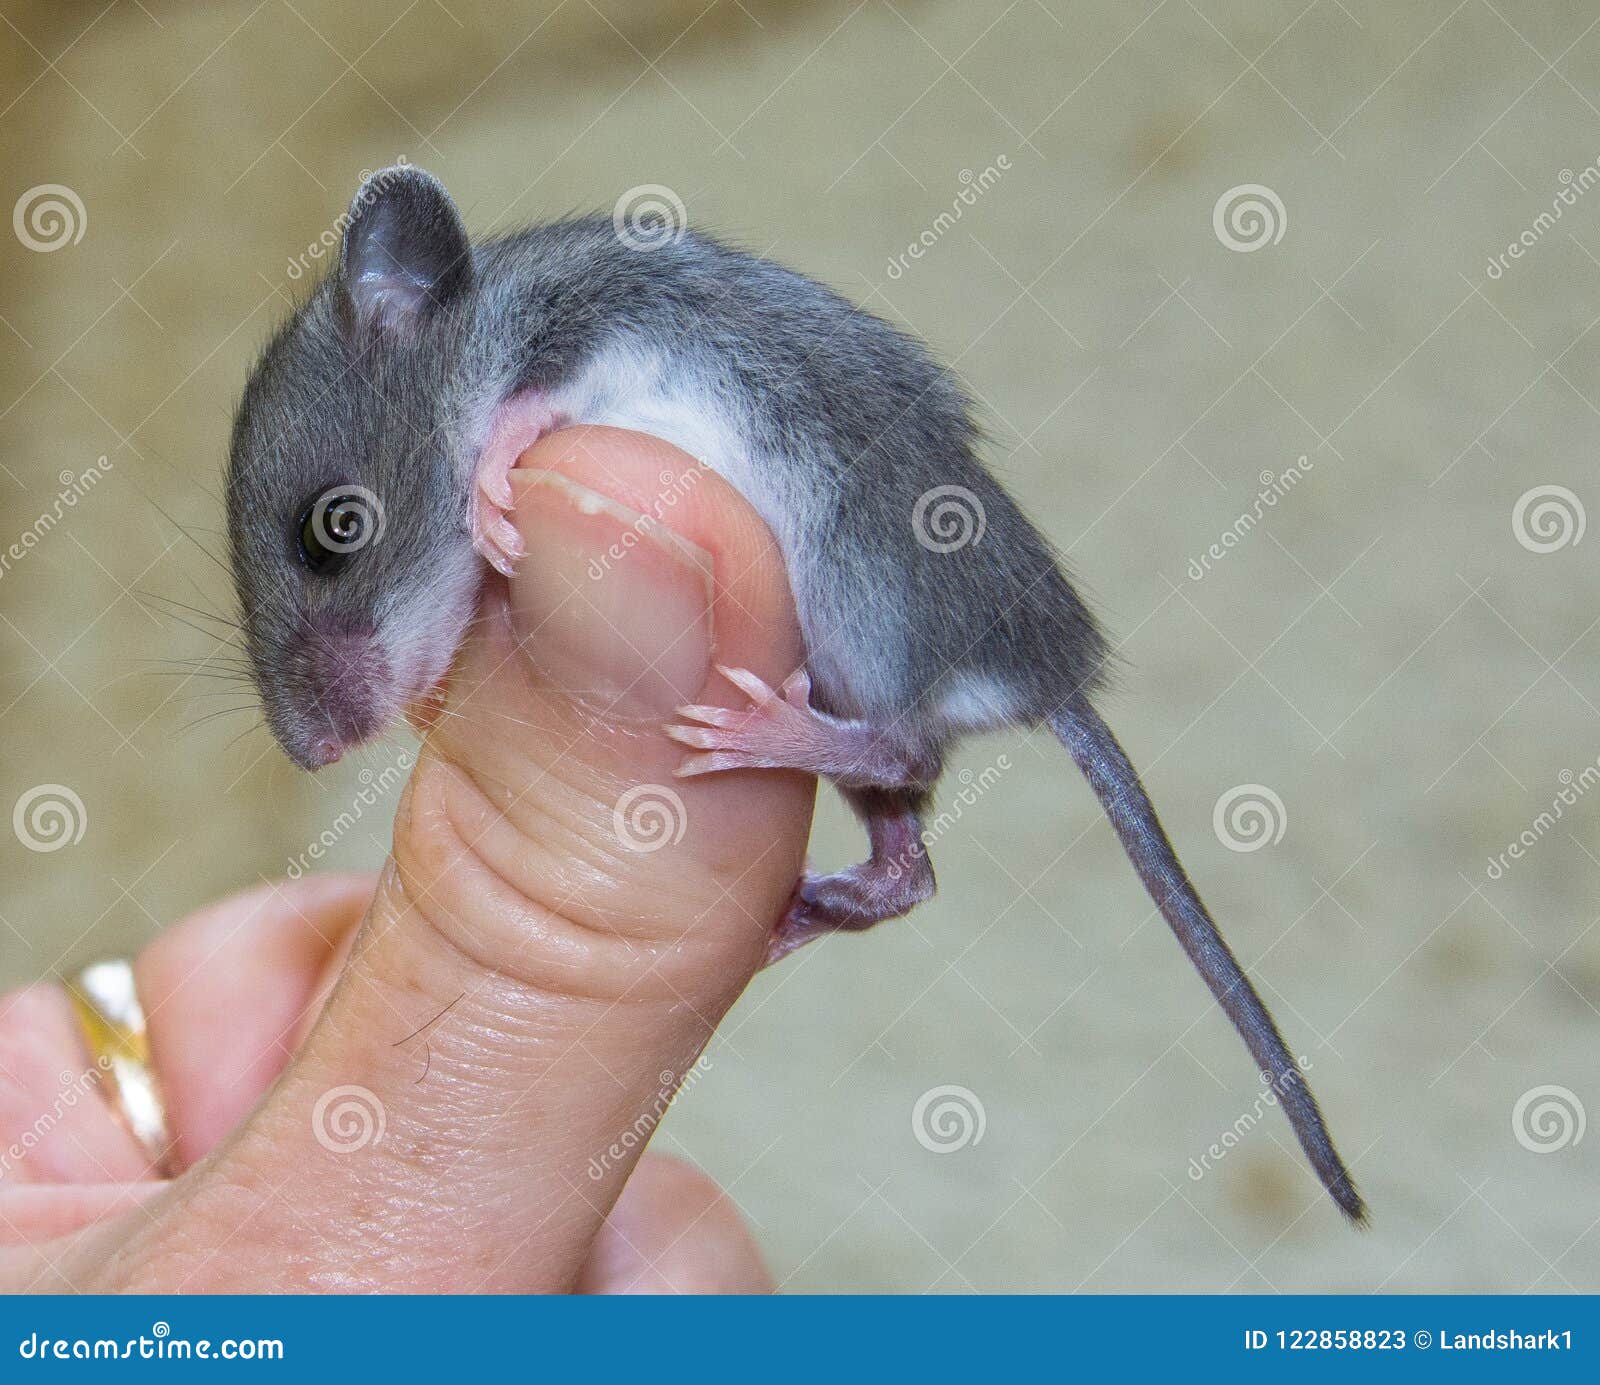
{"x":1116,"y":783}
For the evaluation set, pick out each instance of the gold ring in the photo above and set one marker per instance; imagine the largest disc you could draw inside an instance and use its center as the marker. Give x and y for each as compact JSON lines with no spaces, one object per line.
{"x":113,"y":1022}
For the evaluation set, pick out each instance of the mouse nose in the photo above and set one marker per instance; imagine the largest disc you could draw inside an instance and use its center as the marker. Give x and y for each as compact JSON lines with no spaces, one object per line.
{"x":315,"y":749}
{"x":344,"y":697}
{"x":323,"y":751}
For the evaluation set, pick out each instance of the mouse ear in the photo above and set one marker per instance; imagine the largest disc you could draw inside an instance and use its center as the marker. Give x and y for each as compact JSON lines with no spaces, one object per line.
{"x":405,"y":252}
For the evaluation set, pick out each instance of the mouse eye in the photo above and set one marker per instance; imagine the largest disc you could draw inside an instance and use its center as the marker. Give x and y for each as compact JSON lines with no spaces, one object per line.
{"x":336,"y":525}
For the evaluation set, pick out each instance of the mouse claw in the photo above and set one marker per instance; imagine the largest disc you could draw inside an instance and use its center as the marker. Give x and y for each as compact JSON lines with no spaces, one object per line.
{"x":701,"y":737}
{"x":747,"y":683}
{"x":796,"y":689}
{"x":712,"y":716}
{"x":498,"y":559}
{"x":496,"y":489}
{"x":710,"y":763}
{"x":497,"y":539}
{"x":509,"y":540}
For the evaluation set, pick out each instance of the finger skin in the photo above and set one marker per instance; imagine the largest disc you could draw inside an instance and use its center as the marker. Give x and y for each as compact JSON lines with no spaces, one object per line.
{"x":229,"y":992}
{"x":37,"y":1213}
{"x":55,"y":1125}
{"x":524,"y":989}
{"x":226,"y":992}
{"x":674,"y":1231}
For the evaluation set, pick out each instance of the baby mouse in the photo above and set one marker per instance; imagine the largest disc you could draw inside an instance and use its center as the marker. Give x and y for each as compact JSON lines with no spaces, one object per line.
{"x":367,"y":486}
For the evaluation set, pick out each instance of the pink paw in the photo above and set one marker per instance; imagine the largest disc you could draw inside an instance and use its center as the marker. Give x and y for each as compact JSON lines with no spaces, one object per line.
{"x":493,"y":533}
{"x":774,"y":732}
{"x":519,"y":423}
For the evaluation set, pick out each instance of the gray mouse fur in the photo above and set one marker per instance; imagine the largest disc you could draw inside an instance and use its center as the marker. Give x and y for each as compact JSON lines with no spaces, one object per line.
{"x":393,"y":377}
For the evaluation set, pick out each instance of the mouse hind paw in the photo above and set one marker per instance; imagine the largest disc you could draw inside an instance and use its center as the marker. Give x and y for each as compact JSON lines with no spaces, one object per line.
{"x":893,"y":881}
{"x":780,"y":729}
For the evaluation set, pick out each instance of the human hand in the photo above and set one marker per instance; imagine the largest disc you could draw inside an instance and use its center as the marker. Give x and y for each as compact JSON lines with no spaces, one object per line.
{"x":560,"y":928}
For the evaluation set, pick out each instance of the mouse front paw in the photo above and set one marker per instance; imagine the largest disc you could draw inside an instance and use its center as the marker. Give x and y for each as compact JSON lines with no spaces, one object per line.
{"x":493,"y":533}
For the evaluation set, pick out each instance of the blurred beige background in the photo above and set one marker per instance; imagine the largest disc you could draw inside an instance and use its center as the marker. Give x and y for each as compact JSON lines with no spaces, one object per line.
{"x":1379,"y":650}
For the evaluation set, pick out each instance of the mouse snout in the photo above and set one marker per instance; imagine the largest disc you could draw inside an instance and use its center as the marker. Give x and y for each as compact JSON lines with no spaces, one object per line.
{"x":345,"y":680}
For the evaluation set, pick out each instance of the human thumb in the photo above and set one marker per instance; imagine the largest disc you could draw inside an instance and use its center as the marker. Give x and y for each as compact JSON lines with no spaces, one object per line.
{"x":562,"y":923}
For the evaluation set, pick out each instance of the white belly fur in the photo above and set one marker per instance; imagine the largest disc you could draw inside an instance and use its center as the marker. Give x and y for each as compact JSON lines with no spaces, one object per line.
{"x":629,"y":387}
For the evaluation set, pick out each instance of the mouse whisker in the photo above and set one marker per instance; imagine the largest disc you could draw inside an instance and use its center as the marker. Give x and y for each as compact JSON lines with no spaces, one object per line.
{"x":198,"y":722}
{"x":199,"y":612}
